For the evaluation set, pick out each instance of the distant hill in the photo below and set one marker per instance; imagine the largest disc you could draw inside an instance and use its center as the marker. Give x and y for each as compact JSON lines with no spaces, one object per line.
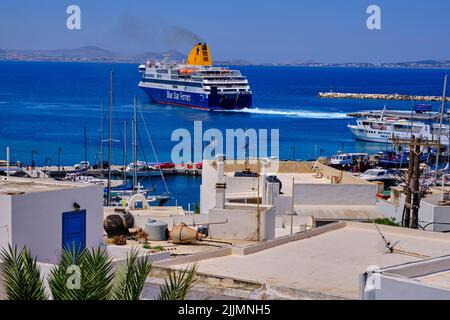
{"x":171,"y":55}
{"x":87,"y":53}
{"x":97,"y":54}
{"x":411,"y":64}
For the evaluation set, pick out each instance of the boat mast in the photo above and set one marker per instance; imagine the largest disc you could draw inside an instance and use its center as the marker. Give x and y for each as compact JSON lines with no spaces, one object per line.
{"x":134,"y":146}
{"x":124,"y":150}
{"x":101,"y":142}
{"x":441,"y":116}
{"x":110,"y":137}
{"x":85,"y":145}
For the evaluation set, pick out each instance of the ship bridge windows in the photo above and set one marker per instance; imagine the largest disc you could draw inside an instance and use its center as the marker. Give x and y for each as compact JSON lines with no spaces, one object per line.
{"x":165,"y":71}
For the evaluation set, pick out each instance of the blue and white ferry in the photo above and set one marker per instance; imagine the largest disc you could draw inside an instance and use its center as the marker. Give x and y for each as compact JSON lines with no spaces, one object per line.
{"x":196,"y":84}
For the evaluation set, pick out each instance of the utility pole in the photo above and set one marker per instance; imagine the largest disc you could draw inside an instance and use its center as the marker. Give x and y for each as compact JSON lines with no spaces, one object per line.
{"x":406,"y":221}
{"x":412,"y":189}
{"x":441,"y":116}
{"x":293,"y":153}
{"x":416,"y":186}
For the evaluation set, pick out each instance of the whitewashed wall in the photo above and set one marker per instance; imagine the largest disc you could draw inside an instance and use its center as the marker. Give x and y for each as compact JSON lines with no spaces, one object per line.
{"x":37,"y":219}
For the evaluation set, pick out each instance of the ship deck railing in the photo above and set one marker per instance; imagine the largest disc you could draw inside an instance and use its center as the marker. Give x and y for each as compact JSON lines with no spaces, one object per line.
{"x":399,"y":114}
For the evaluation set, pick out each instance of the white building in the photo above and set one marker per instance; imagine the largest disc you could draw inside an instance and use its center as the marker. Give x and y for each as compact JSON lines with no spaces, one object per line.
{"x":45,"y":216}
{"x":432,"y":215}
{"x":422,"y":280}
{"x":319,"y":194}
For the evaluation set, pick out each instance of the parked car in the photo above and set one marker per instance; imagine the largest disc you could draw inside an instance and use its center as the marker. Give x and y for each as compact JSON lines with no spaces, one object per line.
{"x":165,"y":165}
{"x":199,"y":165}
{"x":99,"y":165}
{"x":82,"y":165}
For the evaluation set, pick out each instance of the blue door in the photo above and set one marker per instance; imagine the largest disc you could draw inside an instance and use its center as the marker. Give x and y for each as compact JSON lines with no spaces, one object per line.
{"x":74,"y":230}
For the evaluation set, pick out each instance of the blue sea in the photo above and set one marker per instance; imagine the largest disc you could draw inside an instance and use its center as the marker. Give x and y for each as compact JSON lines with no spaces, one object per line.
{"x":46,"y":105}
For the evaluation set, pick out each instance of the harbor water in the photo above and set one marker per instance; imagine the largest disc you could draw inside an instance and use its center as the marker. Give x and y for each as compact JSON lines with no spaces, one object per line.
{"x":45,"y":106}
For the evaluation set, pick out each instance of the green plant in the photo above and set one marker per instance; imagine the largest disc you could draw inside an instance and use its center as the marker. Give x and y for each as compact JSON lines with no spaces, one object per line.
{"x":178,"y":284}
{"x":131,"y":277}
{"x":21,"y":275}
{"x":196,"y":208}
{"x":87,"y":275}
{"x":386,"y":221}
{"x":155,"y":248}
{"x":82,"y":275}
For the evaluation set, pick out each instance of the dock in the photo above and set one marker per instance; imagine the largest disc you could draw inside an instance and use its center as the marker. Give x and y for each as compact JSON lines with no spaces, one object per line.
{"x":116,"y":172}
{"x":379,"y":96}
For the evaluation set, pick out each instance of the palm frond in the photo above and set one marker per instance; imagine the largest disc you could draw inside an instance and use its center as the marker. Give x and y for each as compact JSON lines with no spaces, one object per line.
{"x":91,"y":279}
{"x":97,"y":275}
{"x":21,"y":275}
{"x":131,"y":276}
{"x":178,"y":284}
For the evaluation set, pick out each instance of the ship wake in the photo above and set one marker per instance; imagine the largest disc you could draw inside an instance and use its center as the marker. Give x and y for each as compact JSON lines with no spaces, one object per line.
{"x":305,"y":114}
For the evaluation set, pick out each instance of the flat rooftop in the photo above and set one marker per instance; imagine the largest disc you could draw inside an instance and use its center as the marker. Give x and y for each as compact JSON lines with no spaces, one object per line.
{"x":329,"y":263}
{"x":441,"y":280}
{"x":15,"y":186}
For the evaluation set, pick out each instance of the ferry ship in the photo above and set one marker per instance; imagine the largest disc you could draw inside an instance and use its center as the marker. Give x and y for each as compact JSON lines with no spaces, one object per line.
{"x":196,"y":84}
{"x":383,"y":126}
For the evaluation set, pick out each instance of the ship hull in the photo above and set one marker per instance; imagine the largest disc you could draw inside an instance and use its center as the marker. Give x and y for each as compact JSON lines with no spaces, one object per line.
{"x":211,"y":102}
{"x":386,"y":137}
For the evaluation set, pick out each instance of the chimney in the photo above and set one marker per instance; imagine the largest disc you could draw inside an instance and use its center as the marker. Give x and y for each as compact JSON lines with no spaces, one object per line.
{"x":220,"y":184}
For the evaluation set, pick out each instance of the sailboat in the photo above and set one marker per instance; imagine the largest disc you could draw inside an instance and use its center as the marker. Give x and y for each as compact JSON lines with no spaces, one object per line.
{"x":121,"y":195}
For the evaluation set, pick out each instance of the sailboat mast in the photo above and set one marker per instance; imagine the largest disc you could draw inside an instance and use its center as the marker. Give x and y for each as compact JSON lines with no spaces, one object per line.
{"x":124,"y":149}
{"x":134,"y":146}
{"x":444,"y":98}
{"x":101,"y":142}
{"x":110,"y":137}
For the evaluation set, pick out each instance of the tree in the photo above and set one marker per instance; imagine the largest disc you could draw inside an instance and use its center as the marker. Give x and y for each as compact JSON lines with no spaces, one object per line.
{"x":21,"y":275}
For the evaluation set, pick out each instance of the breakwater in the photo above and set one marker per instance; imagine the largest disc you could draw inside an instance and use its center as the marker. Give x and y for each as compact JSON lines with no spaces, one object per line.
{"x":378,"y":96}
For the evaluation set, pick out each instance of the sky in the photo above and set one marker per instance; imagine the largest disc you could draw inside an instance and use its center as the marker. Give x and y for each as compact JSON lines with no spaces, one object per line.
{"x":262,"y":31}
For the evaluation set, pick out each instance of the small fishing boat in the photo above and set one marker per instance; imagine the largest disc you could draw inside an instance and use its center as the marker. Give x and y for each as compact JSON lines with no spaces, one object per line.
{"x":388,"y":176}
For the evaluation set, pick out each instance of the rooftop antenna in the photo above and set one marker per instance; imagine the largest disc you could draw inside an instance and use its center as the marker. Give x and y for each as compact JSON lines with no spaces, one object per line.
{"x":386,"y":243}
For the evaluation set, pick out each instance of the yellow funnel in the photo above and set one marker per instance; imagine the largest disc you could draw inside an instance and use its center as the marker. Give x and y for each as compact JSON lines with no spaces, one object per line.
{"x":200,"y":56}
{"x":182,"y":234}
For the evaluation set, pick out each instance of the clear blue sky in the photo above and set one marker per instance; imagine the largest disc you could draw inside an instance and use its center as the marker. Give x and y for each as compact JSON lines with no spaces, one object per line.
{"x":259,"y":31}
